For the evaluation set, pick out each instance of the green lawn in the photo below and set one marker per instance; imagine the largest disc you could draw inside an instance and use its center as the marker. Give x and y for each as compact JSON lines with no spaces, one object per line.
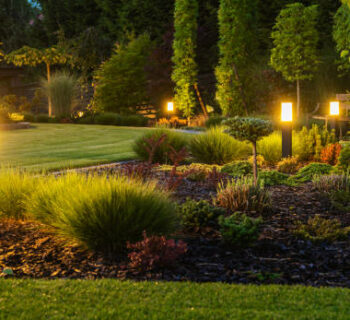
{"x":56,"y":146}
{"x":112,"y":299}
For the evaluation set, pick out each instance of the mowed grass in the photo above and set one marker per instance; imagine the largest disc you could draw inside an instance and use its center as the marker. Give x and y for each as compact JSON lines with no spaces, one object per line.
{"x":58,"y":146}
{"x":112,"y":299}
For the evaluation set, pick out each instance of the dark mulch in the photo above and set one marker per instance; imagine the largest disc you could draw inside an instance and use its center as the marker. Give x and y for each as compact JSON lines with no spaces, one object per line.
{"x":278,"y":256}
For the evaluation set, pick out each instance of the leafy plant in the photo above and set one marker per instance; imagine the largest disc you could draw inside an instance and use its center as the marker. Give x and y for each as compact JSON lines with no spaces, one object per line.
{"x":273,"y":178}
{"x":15,"y":189}
{"x":288,"y":165}
{"x":199,"y":214}
{"x":103,"y":213}
{"x":308,"y":172}
{"x":216,"y":147}
{"x":238,"y":168}
{"x":214,"y":121}
{"x":155,"y":252}
{"x":330,"y":154}
{"x":243,"y":195}
{"x":150,"y":141}
{"x":344,"y":158}
{"x":239,"y":229}
{"x":252,"y":130}
{"x":318,"y":229}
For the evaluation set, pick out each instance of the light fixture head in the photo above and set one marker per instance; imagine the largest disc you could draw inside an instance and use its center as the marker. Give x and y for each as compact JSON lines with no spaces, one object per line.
{"x":287,"y":112}
{"x":170,"y":106}
{"x":334,"y":108}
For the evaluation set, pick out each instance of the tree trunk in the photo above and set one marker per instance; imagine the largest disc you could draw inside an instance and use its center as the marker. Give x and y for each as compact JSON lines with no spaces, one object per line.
{"x":204,"y":109}
{"x":245,"y":105}
{"x":48,"y":81}
{"x":255,"y":165}
{"x":298,"y":98}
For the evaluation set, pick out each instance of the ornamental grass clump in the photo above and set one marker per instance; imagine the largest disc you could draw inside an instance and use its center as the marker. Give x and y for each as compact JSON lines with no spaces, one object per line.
{"x":243,"y":195}
{"x":216,"y":147}
{"x":103,"y":213}
{"x":15,"y":189}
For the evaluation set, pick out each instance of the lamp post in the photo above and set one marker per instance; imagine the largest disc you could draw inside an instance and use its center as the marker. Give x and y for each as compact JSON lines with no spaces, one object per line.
{"x":287,"y":119}
{"x":334,"y":112}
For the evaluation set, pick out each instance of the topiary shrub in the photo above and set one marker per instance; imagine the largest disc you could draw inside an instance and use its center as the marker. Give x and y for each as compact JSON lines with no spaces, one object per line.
{"x":273,"y":178}
{"x":15,"y":190}
{"x":216,"y":147}
{"x":238,"y":168}
{"x":172,"y":139}
{"x":103,"y":213}
{"x":243,"y":195}
{"x":288,"y":165}
{"x":249,"y":129}
{"x":239,"y":230}
{"x":344,"y":158}
{"x":308,"y":172}
{"x":318,"y":229}
{"x":199,"y":214}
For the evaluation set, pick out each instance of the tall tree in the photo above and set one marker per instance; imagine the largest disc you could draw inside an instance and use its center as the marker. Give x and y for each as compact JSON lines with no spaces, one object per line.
{"x":295,"y":39}
{"x":185,"y":68}
{"x":236,"y":49}
{"x":341,"y":34}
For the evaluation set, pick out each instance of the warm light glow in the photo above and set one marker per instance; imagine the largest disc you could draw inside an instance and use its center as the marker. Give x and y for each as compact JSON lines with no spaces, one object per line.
{"x":334,"y":108}
{"x":287,"y":112}
{"x":170,"y":106}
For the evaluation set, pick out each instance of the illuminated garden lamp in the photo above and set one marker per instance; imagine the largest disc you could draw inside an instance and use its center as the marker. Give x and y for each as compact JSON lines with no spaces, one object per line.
{"x":170,"y":107}
{"x":334,"y":112}
{"x":287,"y":119}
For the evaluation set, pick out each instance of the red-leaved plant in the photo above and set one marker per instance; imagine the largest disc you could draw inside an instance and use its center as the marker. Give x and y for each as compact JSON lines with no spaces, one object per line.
{"x":330,"y":154}
{"x":155,"y":252}
{"x":141,"y":170}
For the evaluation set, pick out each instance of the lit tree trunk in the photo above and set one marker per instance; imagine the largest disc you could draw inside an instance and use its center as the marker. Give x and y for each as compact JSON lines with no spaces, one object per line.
{"x":255,"y":165}
{"x":298,"y":98}
{"x":204,"y":109}
{"x":48,"y":81}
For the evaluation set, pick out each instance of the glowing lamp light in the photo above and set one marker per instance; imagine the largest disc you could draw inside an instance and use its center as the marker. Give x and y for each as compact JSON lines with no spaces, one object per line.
{"x":287,"y":112}
{"x":334,"y":108}
{"x":170,"y":106}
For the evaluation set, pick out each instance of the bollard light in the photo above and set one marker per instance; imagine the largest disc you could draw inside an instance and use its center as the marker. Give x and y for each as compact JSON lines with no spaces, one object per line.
{"x":287,"y":119}
{"x":334,"y":108}
{"x":334,"y":112}
{"x":170,"y":106}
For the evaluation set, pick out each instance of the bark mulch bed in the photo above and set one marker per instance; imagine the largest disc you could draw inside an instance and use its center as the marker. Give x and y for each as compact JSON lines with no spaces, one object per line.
{"x":278,"y":257}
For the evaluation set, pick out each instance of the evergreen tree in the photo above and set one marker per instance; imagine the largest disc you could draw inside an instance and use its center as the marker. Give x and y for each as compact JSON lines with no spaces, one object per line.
{"x":341,"y":35}
{"x":236,"y":48}
{"x":184,"y":46}
{"x":295,"y":40}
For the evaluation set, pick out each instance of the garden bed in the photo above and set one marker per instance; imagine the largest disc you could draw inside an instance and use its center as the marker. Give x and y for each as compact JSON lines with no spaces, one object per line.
{"x":28,"y":250}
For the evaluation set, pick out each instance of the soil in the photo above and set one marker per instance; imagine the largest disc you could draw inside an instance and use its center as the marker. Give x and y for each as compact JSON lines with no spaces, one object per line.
{"x":279,"y":257}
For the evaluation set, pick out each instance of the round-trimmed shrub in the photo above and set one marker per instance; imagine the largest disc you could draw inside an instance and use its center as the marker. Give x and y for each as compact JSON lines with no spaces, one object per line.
{"x":103,"y":213}
{"x":173,"y":139}
{"x":216,"y":147}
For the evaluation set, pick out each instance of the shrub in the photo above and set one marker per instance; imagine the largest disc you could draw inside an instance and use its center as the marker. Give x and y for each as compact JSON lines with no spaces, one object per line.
{"x":239,"y":229}
{"x":340,"y":200}
{"x":15,"y":188}
{"x":173,"y":139}
{"x":238,"y":168}
{"x":103,"y":213}
{"x":214,"y":121}
{"x":243,"y":195}
{"x":344,"y":158}
{"x":199,"y":214}
{"x":260,"y":161}
{"x":28,"y":117}
{"x":216,"y":147}
{"x":155,"y":252}
{"x":107,"y":118}
{"x":252,"y":130}
{"x":270,"y":147}
{"x":273,"y":178}
{"x":42,"y":118}
{"x":62,"y":90}
{"x":308,"y":172}
{"x":318,"y":229}
{"x":330,"y":154}
{"x":133,"y":120}
{"x":308,"y":144}
{"x":288,"y":165}
{"x":4,"y":116}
